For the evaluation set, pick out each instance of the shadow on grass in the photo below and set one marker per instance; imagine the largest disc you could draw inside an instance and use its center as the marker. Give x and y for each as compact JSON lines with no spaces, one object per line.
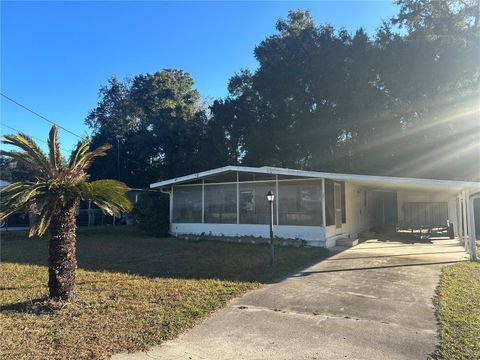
{"x":34,"y":306}
{"x":126,"y":250}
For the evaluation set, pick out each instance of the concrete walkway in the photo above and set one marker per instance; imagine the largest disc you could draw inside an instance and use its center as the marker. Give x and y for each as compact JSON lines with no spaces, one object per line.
{"x":373,"y":301}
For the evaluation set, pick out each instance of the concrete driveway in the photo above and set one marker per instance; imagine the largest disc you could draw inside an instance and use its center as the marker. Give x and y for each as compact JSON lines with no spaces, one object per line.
{"x":373,"y":301}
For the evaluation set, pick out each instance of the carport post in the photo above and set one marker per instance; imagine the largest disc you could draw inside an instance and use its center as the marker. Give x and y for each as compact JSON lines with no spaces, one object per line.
{"x":471,"y":227}
{"x":324,"y":216}
{"x":458,"y":224}
{"x":465,"y":220}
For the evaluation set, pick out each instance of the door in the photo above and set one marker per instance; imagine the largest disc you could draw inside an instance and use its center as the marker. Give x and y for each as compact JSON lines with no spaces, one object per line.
{"x":338,"y":207}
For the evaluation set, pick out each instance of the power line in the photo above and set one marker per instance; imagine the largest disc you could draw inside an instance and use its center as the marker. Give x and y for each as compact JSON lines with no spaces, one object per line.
{"x":119,"y":158}
{"x":40,"y":116}
{"x":33,"y":137}
{"x":61,"y":127}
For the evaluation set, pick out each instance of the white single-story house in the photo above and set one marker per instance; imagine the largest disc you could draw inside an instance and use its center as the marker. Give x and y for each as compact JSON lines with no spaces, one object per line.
{"x":316,"y":207}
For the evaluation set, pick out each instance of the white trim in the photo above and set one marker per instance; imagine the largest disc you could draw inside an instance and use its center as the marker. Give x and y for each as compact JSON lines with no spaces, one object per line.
{"x":457,"y":217}
{"x":465,"y":219}
{"x":315,"y":174}
{"x":472,"y":241}
{"x":238,"y":200}
{"x":277,"y":196}
{"x":324,"y":215}
{"x":314,"y":235}
{"x":171,"y":205}
{"x":250,"y":182}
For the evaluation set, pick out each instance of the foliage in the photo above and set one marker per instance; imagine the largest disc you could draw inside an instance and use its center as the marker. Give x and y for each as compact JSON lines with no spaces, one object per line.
{"x":133,"y":291}
{"x":57,"y":183}
{"x":155,"y":124}
{"x":53,"y":197}
{"x":151,"y":213}
{"x":401,"y":102}
{"x":13,"y":171}
{"x":459,"y":312}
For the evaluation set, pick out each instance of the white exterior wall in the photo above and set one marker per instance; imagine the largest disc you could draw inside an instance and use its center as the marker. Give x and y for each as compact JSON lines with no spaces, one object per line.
{"x":357,"y":215}
{"x":313,"y":234}
{"x":358,"y":219}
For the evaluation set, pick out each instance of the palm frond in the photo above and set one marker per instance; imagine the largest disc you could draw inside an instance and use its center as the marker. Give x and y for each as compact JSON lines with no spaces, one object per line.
{"x":18,"y":196}
{"x":42,"y":222}
{"x":30,"y":148}
{"x":108,"y":195}
{"x":81,"y":149}
{"x":85,"y":161}
{"x":34,"y":166}
{"x":54,"y":149}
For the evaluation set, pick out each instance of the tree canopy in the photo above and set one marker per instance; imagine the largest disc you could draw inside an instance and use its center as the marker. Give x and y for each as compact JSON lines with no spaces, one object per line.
{"x":403,"y":102}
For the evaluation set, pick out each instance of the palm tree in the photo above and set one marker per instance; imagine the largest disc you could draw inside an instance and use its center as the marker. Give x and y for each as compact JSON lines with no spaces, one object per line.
{"x":54,"y":197}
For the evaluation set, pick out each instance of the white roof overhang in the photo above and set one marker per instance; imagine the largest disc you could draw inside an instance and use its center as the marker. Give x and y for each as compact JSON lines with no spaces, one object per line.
{"x":370,"y":181}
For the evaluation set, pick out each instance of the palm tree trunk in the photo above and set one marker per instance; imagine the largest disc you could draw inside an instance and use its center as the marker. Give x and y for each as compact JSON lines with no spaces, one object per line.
{"x":62,"y":259}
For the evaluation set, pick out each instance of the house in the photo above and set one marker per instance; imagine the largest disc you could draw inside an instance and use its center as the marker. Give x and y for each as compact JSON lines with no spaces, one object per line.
{"x":315,"y":207}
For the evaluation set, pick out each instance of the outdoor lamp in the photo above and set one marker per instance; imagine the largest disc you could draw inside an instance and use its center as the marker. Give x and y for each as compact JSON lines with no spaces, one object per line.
{"x":270,"y":196}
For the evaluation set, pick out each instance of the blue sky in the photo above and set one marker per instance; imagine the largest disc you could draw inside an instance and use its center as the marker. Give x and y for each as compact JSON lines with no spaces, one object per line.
{"x":56,"y":55}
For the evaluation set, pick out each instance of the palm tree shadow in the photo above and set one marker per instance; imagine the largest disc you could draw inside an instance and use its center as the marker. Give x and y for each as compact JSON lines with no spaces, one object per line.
{"x":35,"y":306}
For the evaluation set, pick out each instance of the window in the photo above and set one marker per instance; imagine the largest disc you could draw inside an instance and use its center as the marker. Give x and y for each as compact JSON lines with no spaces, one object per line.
{"x":254,"y":207}
{"x":300,"y":203}
{"x":221,"y":204}
{"x":187,"y":204}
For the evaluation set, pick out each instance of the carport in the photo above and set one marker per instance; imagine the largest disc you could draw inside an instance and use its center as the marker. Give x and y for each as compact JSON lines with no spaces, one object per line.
{"x":419,"y":206}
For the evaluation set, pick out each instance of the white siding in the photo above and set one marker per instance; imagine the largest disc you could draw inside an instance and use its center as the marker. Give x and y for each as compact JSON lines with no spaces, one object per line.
{"x":357,"y":216}
{"x":313,"y":234}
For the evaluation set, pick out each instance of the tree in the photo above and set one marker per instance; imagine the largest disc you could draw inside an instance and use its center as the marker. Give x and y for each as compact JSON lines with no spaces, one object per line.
{"x":151,"y":213}
{"x":13,"y":171}
{"x":158,"y":124}
{"x":400,"y":103}
{"x":54,"y":197}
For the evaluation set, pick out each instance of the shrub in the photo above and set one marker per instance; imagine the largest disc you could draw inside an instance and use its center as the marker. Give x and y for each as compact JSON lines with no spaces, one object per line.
{"x":151,"y":213}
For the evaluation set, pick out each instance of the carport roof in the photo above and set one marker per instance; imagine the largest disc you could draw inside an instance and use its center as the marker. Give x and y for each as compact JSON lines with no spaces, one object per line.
{"x":377,"y":182}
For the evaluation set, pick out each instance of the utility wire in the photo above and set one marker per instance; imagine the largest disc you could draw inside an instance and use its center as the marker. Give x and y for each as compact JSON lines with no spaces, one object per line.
{"x":33,"y":137}
{"x":121,"y":159}
{"x":40,"y":116}
{"x":51,"y":122}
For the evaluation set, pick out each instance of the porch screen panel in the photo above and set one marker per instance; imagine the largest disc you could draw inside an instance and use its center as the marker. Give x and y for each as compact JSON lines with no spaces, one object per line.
{"x":300,"y":203}
{"x":221,"y":204}
{"x":254,"y":207}
{"x":329,"y":203}
{"x":187,"y":204}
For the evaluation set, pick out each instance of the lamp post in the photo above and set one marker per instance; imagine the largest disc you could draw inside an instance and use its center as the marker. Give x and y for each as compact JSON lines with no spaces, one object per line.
{"x":271,"y":199}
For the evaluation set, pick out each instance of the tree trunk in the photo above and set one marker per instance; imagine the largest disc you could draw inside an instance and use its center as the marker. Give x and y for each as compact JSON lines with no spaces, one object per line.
{"x":62,"y":259}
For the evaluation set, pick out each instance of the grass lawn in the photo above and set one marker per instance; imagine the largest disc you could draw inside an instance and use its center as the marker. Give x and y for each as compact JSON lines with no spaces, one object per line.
{"x":133,"y":291}
{"x":458,"y":310}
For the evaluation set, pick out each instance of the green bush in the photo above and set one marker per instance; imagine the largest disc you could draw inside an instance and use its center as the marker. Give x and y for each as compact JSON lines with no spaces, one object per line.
{"x":151,"y":213}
